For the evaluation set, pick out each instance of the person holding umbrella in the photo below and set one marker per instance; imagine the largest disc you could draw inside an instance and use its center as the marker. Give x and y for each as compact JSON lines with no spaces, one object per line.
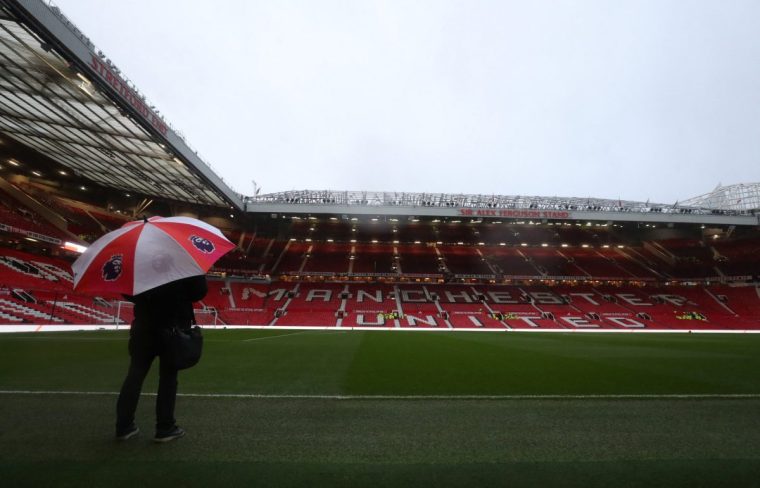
{"x":156,"y":309}
{"x":159,"y":264}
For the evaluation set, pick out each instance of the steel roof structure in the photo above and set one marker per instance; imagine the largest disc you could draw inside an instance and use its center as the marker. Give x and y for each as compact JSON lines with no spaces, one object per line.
{"x":62,"y":97}
{"x":741,"y":197}
{"x":491,"y":206}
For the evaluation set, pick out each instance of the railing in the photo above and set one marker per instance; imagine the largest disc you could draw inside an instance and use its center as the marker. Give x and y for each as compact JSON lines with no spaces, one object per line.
{"x":20,"y":306}
{"x":446,"y":200}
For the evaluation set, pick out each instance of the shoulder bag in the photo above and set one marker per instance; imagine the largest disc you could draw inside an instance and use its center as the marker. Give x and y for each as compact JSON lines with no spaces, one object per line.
{"x":183,"y":346}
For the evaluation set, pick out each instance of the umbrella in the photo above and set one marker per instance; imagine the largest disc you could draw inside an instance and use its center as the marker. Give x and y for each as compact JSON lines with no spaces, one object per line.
{"x":147,"y":253}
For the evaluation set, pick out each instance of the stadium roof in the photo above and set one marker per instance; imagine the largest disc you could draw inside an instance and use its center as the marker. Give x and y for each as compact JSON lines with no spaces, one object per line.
{"x":742,"y":197}
{"x":491,"y":206}
{"x":62,"y":97}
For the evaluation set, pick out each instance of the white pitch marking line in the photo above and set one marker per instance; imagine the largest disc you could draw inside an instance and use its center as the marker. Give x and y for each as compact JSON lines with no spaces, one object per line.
{"x":685,"y":396}
{"x":65,"y":339}
{"x":108,"y":339}
{"x":276,"y":336}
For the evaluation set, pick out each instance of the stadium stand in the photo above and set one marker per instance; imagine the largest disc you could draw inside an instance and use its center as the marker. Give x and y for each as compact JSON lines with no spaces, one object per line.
{"x":592,"y":263}
{"x":328,"y":258}
{"x":368,"y":305}
{"x":551,"y":262}
{"x":411,"y":230}
{"x":373,"y":259}
{"x":465,"y":260}
{"x":625,"y":259}
{"x":293,"y":258}
{"x":508,"y":261}
{"x":19,"y":219}
{"x":738,"y":257}
{"x":418,"y":259}
{"x":39,"y":289}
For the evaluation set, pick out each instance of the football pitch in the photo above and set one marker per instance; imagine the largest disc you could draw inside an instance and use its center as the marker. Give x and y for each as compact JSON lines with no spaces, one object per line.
{"x":330,"y":408}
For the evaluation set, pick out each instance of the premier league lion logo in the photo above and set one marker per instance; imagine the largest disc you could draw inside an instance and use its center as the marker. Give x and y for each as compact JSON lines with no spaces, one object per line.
{"x":112,"y":267}
{"x":203,"y":245}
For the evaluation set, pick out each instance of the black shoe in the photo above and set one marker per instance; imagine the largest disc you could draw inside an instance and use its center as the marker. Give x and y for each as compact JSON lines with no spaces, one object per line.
{"x":128,"y":433}
{"x":169,"y":435}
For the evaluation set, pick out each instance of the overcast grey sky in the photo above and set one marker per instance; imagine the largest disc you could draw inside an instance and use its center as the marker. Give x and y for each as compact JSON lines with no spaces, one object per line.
{"x":622,"y":99}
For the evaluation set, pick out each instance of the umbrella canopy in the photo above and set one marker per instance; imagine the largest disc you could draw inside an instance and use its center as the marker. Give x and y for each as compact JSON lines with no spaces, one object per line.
{"x":148,"y":253}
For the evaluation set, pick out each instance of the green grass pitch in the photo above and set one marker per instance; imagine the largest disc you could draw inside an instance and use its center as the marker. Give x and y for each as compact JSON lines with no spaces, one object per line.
{"x":319,"y":408}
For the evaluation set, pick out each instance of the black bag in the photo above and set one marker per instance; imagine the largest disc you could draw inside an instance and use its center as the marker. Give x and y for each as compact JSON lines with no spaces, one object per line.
{"x":183,"y":347}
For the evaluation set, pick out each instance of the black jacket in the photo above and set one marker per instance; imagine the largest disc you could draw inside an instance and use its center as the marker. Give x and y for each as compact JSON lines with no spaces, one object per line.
{"x":169,"y":304}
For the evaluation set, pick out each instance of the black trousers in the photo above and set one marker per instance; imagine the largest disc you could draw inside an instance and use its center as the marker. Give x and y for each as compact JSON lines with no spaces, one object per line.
{"x":144,"y":347}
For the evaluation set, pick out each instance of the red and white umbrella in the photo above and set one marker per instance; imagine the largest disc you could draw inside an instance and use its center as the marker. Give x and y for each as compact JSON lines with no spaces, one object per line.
{"x":145,"y":254}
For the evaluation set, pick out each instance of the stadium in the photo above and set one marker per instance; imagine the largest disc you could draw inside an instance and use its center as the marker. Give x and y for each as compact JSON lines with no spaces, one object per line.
{"x":640,"y":368}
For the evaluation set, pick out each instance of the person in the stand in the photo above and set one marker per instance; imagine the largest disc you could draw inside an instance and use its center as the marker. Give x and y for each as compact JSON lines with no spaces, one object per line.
{"x":155,"y":310}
